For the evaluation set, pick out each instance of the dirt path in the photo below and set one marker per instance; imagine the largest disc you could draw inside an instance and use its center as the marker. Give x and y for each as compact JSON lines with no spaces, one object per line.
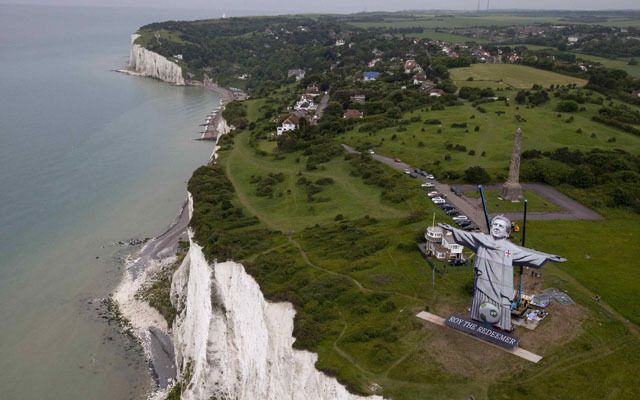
{"x":360,"y":286}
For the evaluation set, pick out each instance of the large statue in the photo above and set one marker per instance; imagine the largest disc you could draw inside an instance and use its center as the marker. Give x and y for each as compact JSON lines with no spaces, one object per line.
{"x":495,"y":258}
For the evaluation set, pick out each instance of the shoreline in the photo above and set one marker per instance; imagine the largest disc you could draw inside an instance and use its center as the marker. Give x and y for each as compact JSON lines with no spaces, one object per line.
{"x":148,"y":324}
{"x":215,"y":125}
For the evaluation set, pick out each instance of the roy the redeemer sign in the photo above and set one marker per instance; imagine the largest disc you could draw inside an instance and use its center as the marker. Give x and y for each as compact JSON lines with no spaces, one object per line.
{"x":484,"y":332}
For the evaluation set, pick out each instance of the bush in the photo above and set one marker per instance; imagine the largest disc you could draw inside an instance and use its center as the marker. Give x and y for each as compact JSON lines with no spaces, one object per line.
{"x":476,"y":175}
{"x":567,"y":106}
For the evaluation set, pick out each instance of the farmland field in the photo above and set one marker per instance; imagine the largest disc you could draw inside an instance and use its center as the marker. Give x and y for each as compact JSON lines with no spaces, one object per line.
{"x":516,"y":76}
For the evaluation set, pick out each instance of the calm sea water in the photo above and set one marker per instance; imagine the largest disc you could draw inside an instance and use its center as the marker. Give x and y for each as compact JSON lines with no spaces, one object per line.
{"x":88,"y":157}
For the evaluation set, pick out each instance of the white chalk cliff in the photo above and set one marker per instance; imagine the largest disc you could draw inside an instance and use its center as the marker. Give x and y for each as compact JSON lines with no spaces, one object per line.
{"x":230,"y":343}
{"x":147,"y":63}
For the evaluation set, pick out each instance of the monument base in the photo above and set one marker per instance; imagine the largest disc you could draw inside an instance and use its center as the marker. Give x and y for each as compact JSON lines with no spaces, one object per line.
{"x":516,"y":351}
{"x":511,"y":192}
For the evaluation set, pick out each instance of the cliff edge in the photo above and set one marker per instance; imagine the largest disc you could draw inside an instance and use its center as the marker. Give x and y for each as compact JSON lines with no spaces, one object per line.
{"x":147,"y":63}
{"x":230,"y":343}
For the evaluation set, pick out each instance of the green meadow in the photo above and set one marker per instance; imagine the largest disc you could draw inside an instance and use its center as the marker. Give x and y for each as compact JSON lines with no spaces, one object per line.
{"x":347,"y":258}
{"x":512,"y":75}
{"x":425,"y":145}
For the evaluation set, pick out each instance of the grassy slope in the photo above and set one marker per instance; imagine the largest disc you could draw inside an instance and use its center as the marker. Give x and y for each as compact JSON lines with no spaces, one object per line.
{"x":416,"y":365}
{"x":543,"y":130}
{"x":516,"y":76}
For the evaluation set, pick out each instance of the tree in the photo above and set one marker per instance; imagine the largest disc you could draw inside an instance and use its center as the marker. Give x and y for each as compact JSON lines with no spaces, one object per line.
{"x":476,"y":174}
{"x":567,"y":106}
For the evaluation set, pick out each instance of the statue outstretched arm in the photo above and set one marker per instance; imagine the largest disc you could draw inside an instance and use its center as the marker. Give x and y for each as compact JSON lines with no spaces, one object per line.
{"x":534,"y":258}
{"x":467,"y":239}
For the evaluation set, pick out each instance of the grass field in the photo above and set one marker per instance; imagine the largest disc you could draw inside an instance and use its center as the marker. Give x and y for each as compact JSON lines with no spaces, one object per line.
{"x":430,"y":21}
{"x":535,"y":203}
{"x":515,"y":76}
{"x":581,"y":345}
{"x":623,"y":64}
{"x":543,"y":130}
{"x":615,"y":63}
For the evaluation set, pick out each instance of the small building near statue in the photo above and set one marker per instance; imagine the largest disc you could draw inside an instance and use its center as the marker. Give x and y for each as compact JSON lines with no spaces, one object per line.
{"x":441,"y":245}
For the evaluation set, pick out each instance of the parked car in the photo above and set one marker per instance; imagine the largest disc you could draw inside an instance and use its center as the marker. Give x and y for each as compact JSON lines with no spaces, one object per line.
{"x":458,"y":261}
{"x":452,"y":212}
{"x":463,"y":223}
{"x":371,"y":152}
{"x":461,"y":217}
{"x":447,"y":206}
{"x":429,"y":176}
{"x":427,"y":185}
{"x":457,"y":191}
{"x":438,"y":200}
{"x":407,"y":171}
{"x":397,"y":160}
{"x":413,"y":175}
{"x":433,"y":194}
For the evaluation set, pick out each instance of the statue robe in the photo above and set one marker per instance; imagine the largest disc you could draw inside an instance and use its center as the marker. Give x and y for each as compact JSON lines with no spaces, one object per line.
{"x":493,"y":269}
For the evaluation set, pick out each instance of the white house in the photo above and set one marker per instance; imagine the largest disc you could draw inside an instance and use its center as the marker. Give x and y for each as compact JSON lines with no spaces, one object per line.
{"x":441,"y":244}
{"x":289,"y":124}
{"x":305,"y":103}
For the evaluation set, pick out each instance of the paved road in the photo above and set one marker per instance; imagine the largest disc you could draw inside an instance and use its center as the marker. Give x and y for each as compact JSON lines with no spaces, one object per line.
{"x":571,"y":209}
{"x":324,"y":102}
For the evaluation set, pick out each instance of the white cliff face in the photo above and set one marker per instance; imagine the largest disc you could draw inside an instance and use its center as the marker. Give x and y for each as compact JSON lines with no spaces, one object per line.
{"x":231,"y":343}
{"x":147,"y":63}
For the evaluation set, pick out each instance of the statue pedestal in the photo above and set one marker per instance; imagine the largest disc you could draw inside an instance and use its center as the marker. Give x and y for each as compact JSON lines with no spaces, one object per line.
{"x":512,"y":192}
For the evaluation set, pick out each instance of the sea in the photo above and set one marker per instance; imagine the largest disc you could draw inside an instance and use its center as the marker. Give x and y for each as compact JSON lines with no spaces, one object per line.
{"x":88,"y":158}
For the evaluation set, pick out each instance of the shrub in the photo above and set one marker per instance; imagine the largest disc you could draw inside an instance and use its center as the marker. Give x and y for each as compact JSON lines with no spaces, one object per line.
{"x":567,"y":106}
{"x":476,"y":174}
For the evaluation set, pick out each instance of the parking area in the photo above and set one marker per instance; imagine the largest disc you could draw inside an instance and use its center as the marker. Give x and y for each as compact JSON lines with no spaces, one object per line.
{"x":461,"y":204}
{"x":472,"y":208}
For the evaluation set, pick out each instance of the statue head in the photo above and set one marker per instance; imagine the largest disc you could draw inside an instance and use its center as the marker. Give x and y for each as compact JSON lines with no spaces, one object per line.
{"x":500,"y":227}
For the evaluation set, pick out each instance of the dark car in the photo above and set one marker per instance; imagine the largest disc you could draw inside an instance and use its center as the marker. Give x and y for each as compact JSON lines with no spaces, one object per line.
{"x":458,"y":261}
{"x":452,"y":212}
{"x":447,"y":206}
{"x":457,"y":191}
{"x":463,"y":223}
{"x":413,"y":175}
